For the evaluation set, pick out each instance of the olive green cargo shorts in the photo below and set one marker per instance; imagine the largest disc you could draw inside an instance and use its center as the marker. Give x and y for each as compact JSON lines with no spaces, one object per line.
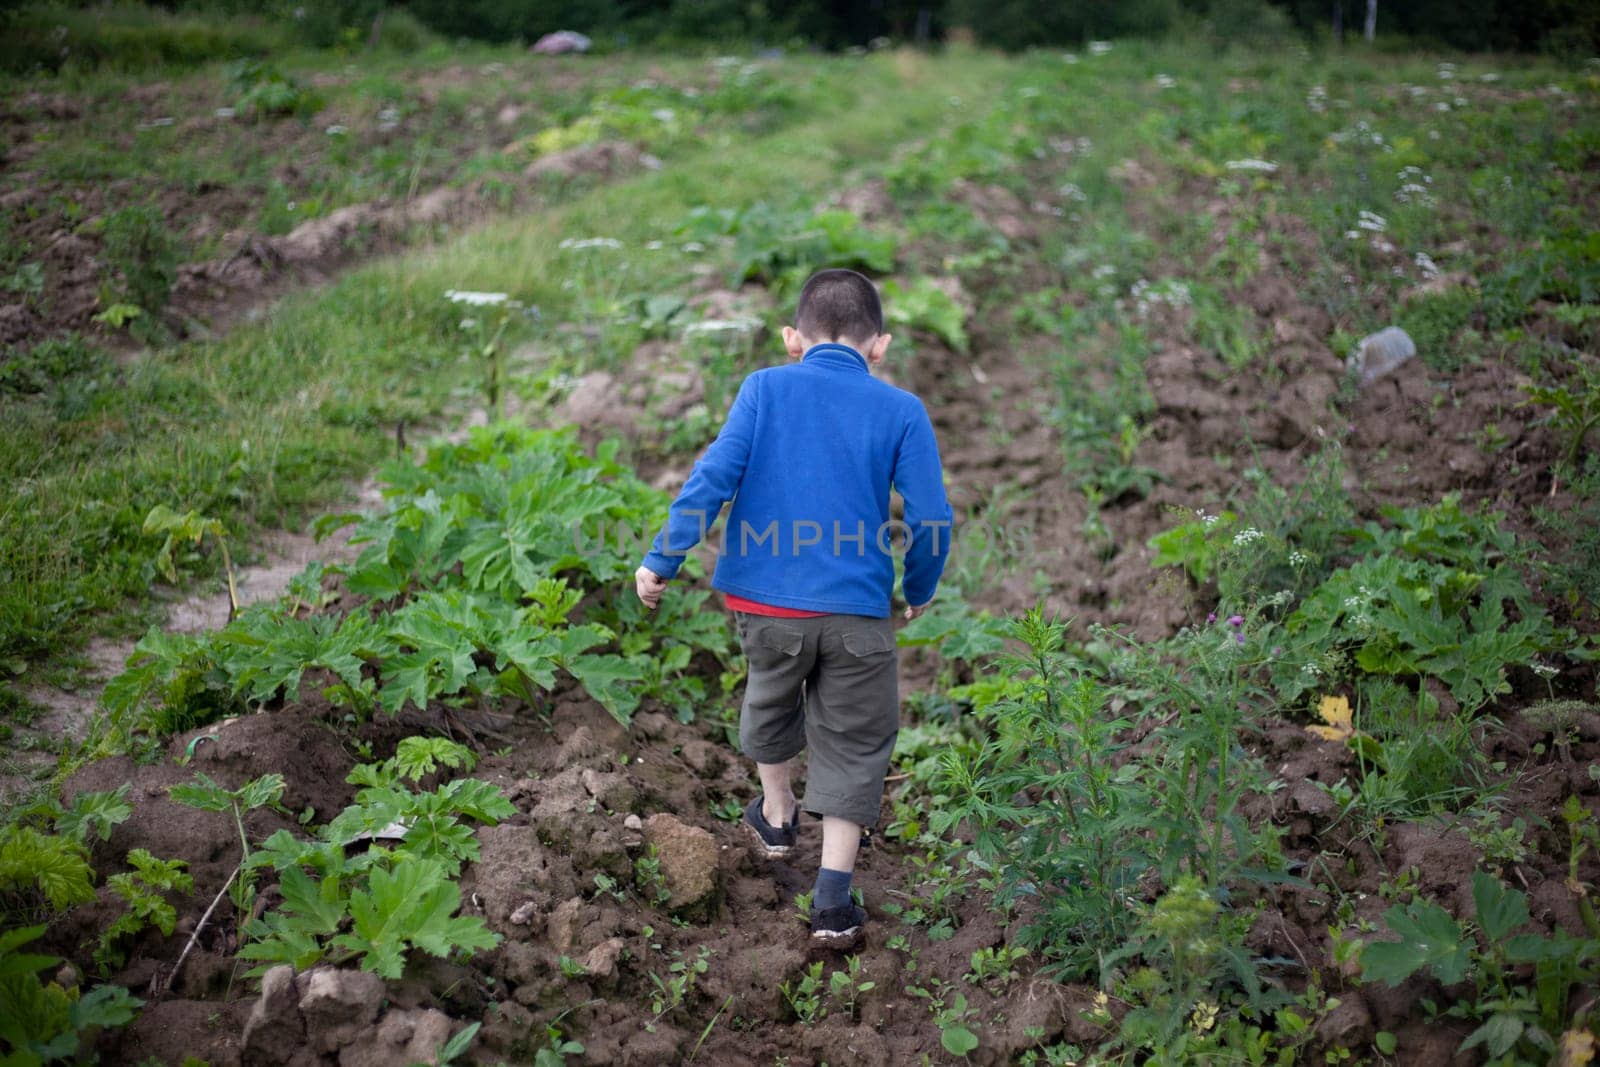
{"x":827,"y":684}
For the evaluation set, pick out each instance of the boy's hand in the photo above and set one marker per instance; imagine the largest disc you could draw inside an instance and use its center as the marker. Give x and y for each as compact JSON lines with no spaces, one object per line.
{"x":649,"y":586}
{"x":913,"y":612}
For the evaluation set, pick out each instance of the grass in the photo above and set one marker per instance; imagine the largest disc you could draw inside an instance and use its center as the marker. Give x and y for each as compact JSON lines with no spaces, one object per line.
{"x":271,"y":422}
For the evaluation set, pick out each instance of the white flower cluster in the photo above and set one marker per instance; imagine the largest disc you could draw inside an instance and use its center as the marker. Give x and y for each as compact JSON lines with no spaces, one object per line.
{"x":1066,"y":146}
{"x":1544,"y":670}
{"x":1099,"y":48}
{"x":1298,"y":558}
{"x":1361,"y":133}
{"x":1166,"y":81}
{"x":1147,"y":296}
{"x":388,"y":119}
{"x":721,"y":326}
{"x":1426,"y":265}
{"x":1369,"y":221}
{"x":1357,"y":607}
{"x":1317,"y":99}
{"x":1414,"y":187}
{"x":1257,"y":166}
{"x":1247,"y":535}
{"x":1447,"y":72}
{"x":1069,"y":191}
{"x":475,"y":298}
{"x":578,"y":243}
{"x":1489,"y":77}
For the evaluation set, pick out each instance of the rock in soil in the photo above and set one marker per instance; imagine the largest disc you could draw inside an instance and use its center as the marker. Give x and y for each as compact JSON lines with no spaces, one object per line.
{"x":337,"y":1005}
{"x":1347,"y":1026}
{"x":275,"y":1030}
{"x":402,"y":1038}
{"x":688,"y":856}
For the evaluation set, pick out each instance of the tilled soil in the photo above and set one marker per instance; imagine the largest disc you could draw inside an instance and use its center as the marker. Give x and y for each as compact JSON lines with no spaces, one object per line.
{"x":577,"y":777}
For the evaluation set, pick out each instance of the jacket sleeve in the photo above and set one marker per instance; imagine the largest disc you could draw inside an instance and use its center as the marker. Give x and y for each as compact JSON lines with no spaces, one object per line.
{"x":713,"y":482}
{"x":919,"y":478}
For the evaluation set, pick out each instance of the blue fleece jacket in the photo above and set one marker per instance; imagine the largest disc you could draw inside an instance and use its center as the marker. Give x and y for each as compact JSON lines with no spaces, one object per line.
{"x":808,"y":455}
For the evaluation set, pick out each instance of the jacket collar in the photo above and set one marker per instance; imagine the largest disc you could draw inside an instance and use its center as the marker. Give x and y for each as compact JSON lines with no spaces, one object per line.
{"x":831,"y":354}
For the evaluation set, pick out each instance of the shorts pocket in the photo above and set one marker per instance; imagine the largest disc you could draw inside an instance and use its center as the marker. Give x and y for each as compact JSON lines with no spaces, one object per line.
{"x":781,"y":639}
{"x":864,"y":644}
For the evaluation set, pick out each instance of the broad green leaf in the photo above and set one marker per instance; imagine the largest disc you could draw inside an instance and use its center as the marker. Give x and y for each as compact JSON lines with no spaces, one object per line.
{"x":319,"y":909}
{"x":1498,"y":1033}
{"x":1429,"y":937}
{"x":1500,"y":909}
{"x":958,"y":1040}
{"x":94,"y":813}
{"x":202,"y":793}
{"x":107,"y":1005}
{"x":416,"y":757}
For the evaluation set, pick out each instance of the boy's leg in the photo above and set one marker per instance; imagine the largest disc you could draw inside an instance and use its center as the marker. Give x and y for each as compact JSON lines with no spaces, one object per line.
{"x":852,"y":719}
{"x":841,"y":839}
{"x":777,"y":792}
{"x":781,"y":653}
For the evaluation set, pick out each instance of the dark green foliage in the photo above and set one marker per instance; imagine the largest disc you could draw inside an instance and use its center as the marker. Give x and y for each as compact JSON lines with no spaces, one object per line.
{"x":40,"y":1022}
{"x":262,"y":90}
{"x":782,"y":248}
{"x":51,"y":36}
{"x":463,"y":564}
{"x":1436,"y":594}
{"x":138,"y":245}
{"x":44,"y":853}
{"x":1512,"y":1013}
{"x":1050,"y":807}
{"x":1020,"y":23}
{"x":1435,"y":321}
{"x":380,"y":904}
{"x":49,"y":367}
{"x":142,"y":891}
{"x":1574,"y":568}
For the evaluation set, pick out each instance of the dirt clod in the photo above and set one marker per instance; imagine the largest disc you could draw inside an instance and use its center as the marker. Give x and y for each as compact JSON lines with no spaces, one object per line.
{"x":1347,"y":1026}
{"x":402,"y":1037}
{"x":688,"y":856}
{"x":603,"y":158}
{"x":337,"y":1005}
{"x":275,"y":1031}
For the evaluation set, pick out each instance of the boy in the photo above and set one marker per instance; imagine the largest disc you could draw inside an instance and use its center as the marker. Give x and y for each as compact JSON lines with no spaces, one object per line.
{"x":807,"y":456}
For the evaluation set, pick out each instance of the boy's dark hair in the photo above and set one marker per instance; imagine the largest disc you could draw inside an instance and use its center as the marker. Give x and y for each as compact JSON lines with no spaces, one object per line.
{"x":839,"y":305}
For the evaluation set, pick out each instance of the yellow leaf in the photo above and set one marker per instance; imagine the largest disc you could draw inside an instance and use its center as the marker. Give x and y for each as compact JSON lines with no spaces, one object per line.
{"x":1335,"y":711}
{"x":1577,"y":1048}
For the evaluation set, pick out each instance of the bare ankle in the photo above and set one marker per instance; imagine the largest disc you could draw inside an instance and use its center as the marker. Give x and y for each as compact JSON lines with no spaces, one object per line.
{"x":775,"y":813}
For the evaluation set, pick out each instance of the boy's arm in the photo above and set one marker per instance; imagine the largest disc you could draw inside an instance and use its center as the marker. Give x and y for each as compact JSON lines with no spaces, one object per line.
{"x":919,"y":478}
{"x":712,"y":483}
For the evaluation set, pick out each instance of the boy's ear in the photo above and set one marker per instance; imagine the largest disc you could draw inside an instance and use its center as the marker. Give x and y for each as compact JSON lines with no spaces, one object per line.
{"x":792,"y":342}
{"x":880,"y":346}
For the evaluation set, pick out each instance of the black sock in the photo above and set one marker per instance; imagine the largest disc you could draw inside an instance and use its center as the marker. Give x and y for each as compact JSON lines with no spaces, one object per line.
{"x":832,"y":890}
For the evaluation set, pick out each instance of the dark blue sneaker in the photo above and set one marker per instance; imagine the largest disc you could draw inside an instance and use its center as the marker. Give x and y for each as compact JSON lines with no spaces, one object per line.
{"x":838,"y":927}
{"x":775,"y":841}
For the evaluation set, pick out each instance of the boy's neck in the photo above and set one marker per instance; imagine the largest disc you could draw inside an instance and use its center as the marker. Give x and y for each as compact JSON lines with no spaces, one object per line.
{"x":839,"y":347}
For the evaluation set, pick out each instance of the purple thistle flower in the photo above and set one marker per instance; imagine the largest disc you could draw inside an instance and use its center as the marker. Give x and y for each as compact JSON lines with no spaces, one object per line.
{"x":1236,"y":621}
{"x":1239,"y":637}
{"x":1211,"y":618}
